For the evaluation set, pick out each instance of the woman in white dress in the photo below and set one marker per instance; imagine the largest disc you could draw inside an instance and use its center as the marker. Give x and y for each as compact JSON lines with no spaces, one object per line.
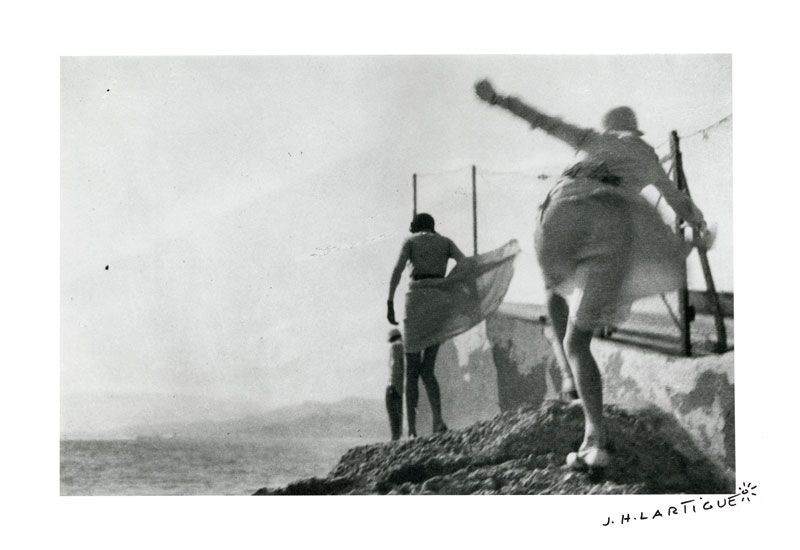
{"x":601,"y":245}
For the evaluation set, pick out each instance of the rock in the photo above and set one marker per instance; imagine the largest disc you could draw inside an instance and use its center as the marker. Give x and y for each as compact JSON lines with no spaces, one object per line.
{"x":523,"y":452}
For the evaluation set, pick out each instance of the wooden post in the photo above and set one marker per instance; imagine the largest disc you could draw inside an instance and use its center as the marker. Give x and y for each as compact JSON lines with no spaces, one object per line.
{"x":474,"y":214}
{"x":414,"y":185}
{"x":683,"y":292}
{"x":721,"y":345}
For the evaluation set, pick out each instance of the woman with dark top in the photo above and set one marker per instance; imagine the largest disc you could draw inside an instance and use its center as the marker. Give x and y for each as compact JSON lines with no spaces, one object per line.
{"x":601,"y":245}
{"x":439,"y":306}
{"x":428,"y":252}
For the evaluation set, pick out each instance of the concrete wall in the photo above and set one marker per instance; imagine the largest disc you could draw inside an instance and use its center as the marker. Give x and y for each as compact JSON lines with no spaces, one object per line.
{"x":697,"y":392}
{"x":507,"y":362}
{"x":467,"y":379}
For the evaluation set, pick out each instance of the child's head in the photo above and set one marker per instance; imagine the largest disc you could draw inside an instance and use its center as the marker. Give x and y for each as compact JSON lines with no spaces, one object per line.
{"x":394,"y":335}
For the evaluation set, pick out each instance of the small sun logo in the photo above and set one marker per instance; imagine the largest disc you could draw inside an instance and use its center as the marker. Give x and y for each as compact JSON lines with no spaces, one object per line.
{"x":747,"y":490}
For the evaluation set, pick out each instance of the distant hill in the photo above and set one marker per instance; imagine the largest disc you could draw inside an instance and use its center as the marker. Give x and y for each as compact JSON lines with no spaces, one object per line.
{"x":348,"y":418}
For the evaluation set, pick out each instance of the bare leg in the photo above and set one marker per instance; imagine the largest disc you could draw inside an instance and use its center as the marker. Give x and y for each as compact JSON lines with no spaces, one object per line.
{"x":432,"y":386}
{"x":590,"y":385}
{"x":413,"y":364}
{"x":559,"y":313}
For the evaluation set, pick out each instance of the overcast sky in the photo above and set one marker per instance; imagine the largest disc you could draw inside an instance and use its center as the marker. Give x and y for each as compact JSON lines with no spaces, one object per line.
{"x":228,"y":225}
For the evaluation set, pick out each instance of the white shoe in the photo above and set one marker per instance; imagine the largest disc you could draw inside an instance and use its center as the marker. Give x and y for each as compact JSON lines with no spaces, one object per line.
{"x":591,"y":458}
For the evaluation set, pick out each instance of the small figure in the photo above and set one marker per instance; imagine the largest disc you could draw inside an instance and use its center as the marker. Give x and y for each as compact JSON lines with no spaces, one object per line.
{"x":394,"y":391}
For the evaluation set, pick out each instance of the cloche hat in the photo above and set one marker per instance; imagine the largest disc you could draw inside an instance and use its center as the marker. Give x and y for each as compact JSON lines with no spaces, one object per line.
{"x":621,"y":119}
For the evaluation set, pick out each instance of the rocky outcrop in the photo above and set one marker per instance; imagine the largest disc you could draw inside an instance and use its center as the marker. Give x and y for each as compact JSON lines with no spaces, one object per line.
{"x":523,"y":452}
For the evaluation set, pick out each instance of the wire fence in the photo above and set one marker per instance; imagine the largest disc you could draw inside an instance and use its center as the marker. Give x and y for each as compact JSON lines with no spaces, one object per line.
{"x":507,"y":205}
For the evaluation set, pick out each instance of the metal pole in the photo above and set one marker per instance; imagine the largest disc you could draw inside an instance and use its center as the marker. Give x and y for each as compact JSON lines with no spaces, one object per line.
{"x":474,"y":214}
{"x":414,"y":184}
{"x":683,"y":292}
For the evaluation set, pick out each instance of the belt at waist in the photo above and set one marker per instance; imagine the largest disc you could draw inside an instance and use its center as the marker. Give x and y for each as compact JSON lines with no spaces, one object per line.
{"x":596,"y":171}
{"x":421,"y":276}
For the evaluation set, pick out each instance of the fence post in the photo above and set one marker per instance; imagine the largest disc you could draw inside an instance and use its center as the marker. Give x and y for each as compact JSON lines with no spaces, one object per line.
{"x":414,"y":185}
{"x":721,"y":344}
{"x":683,"y":292}
{"x":474,"y":214}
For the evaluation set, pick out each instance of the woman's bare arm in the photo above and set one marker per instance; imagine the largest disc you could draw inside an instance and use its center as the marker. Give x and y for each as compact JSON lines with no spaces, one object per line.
{"x":397,"y":273}
{"x":680,"y":202}
{"x":573,"y":135}
{"x":455,"y":253}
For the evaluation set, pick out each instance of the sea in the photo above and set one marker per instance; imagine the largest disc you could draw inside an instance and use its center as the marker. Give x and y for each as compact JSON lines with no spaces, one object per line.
{"x":172,"y":466}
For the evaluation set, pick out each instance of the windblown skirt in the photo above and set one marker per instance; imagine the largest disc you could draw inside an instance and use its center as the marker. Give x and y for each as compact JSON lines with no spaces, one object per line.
{"x":438,"y":309}
{"x":604,"y":250}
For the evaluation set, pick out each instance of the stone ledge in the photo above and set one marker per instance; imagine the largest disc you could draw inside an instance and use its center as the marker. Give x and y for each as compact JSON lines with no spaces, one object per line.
{"x":697,"y":392}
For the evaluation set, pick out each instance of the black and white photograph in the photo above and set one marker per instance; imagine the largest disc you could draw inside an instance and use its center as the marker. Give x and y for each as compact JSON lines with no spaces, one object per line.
{"x":481,"y":276}
{"x":460,"y":275}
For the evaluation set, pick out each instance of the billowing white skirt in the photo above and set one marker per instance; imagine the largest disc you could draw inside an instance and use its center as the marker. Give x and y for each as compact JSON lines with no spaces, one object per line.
{"x":603,"y":251}
{"x":438,"y":309}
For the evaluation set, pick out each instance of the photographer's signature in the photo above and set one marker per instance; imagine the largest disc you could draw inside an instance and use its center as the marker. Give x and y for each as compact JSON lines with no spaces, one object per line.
{"x":688,"y":506}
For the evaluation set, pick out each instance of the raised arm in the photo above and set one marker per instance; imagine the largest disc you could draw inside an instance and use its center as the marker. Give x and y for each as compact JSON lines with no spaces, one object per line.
{"x":568,"y":133}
